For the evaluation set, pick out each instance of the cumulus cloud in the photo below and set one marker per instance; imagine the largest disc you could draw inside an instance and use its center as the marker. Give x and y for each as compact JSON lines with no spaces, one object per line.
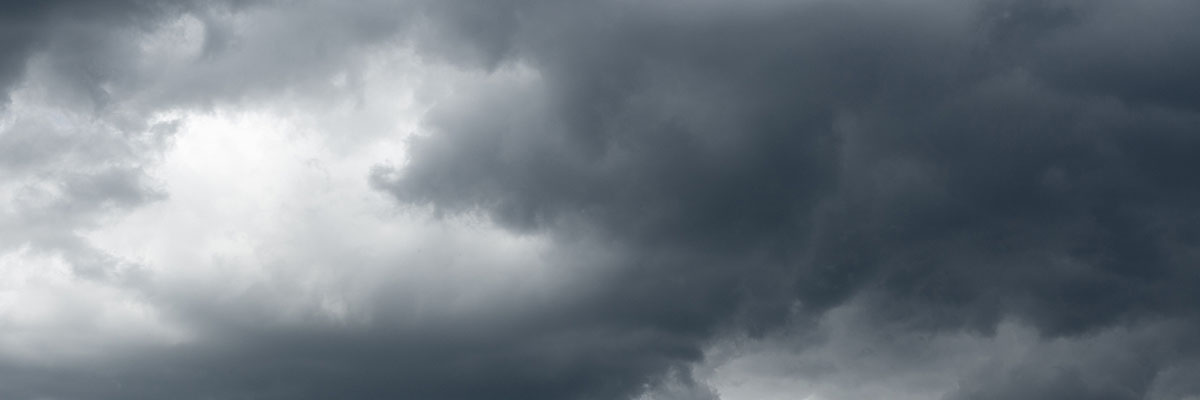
{"x":981,"y":199}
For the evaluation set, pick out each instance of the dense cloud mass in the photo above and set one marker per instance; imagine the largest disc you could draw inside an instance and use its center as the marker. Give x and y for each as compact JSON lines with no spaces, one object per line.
{"x":611,"y":199}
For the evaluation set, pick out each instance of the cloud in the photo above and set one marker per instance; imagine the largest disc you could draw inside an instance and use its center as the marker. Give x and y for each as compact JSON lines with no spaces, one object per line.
{"x":849,"y":354}
{"x":591,"y":200}
{"x":931,"y":159}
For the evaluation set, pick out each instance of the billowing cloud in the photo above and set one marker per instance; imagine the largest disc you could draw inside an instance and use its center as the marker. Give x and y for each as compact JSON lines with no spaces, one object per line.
{"x":933,"y":160}
{"x":980,"y":199}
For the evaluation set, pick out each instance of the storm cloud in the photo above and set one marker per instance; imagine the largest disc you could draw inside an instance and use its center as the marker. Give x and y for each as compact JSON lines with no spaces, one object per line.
{"x":986,"y":199}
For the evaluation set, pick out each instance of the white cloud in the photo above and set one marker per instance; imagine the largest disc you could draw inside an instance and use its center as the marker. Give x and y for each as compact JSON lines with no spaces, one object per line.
{"x":270,"y":212}
{"x":50,"y":314}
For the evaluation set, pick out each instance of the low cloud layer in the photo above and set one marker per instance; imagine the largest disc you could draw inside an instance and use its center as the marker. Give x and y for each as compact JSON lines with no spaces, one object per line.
{"x":967,"y":200}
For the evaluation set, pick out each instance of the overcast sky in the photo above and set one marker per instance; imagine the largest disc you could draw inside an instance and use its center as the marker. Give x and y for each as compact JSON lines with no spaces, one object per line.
{"x":594,"y":200}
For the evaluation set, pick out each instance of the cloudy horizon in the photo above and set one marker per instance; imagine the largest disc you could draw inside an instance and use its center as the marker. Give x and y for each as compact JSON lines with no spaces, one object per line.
{"x":608,"y":199}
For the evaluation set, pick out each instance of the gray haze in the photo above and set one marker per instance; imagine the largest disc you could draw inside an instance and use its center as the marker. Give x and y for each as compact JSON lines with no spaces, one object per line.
{"x":611,"y":199}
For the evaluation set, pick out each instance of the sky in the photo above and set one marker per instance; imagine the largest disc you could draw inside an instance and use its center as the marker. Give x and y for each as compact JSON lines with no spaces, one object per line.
{"x":602,"y":199}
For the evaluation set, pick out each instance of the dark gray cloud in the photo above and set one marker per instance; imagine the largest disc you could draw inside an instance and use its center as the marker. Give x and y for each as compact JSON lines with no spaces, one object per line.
{"x":30,"y":26}
{"x":951,"y":164}
{"x":702,"y":171}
